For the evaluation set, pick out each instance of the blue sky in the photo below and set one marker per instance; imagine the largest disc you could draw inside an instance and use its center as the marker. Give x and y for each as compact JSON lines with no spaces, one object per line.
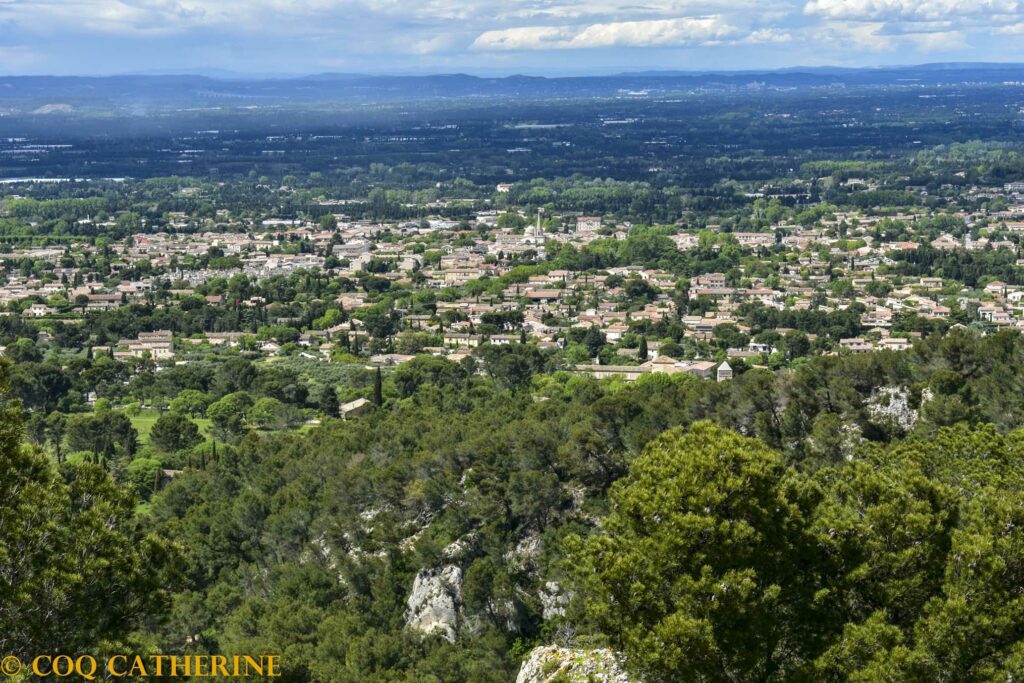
{"x":514,"y":36}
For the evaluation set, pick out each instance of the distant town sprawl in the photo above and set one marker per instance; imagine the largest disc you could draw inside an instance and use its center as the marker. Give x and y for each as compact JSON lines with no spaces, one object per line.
{"x":593,"y":294}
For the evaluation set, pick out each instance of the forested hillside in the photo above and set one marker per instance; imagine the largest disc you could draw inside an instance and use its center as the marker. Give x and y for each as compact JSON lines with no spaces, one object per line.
{"x":854,"y":518}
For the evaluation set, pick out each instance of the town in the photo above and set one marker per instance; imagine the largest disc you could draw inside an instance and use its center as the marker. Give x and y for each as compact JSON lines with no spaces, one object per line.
{"x":840,"y":282}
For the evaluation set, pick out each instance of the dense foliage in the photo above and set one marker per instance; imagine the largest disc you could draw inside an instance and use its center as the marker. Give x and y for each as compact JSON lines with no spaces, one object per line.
{"x":77,"y":572}
{"x":818,"y":557}
{"x":717,"y":563}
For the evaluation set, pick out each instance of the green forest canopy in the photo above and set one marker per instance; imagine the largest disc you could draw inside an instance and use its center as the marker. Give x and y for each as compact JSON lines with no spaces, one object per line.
{"x":843,"y":543}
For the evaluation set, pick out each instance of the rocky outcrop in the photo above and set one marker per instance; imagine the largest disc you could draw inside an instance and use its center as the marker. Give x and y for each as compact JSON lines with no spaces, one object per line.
{"x":433,"y":605}
{"x":525,"y":554}
{"x":890,"y":407}
{"x":459,"y":549}
{"x":553,"y":600}
{"x":552,"y":663}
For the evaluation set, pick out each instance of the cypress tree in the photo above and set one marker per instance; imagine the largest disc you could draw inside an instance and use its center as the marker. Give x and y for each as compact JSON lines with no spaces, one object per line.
{"x":329,"y":402}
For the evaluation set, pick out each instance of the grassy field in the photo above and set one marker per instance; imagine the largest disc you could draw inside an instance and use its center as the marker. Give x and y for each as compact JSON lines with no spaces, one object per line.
{"x":144,"y":421}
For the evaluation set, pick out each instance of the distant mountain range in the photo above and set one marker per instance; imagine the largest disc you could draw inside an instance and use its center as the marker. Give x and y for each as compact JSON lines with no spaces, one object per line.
{"x":63,"y":94}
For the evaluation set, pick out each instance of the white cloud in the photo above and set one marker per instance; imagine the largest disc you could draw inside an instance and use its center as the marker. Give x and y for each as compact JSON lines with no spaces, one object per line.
{"x":766,"y":36}
{"x":286,"y":15}
{"x":922,"y":26}
{"x":854,"y":36}
{"x":937,"y":41}
{"x":607,"y":11}
{"x":525,"y":38}
{"x":441,"y":42}
{"x":112,"y":16}
{"x":845,"y":36}
{"x":652,"y":33}
{"x":910,"y":10}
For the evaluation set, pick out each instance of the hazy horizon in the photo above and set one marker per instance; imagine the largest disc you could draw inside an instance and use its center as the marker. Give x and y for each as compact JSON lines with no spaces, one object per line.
{"x":219,"y":73}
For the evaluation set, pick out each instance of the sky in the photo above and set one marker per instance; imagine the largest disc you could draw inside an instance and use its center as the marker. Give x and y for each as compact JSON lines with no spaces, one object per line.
{"x":543,"y":37}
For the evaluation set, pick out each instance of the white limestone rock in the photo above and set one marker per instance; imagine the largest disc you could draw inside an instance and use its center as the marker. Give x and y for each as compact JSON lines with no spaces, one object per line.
{"x":524,"y":556}
{"x":550,"y":663}
{"x":458,"y":549}
{"x":890,"y":406}
{"x":553,"y":600}
{"x":433,"y":605}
